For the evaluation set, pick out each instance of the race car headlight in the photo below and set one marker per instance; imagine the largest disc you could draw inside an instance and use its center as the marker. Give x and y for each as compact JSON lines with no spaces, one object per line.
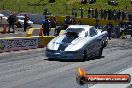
{"x":74,"y":47}
{"x":50,"y":46}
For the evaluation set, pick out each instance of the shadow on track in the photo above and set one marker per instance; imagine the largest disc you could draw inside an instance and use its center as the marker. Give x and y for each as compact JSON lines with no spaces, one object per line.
{"x":72,"y":60}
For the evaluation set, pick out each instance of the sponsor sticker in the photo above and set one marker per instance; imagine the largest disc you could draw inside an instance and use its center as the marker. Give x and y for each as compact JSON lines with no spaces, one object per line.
{"x":83,"y":78}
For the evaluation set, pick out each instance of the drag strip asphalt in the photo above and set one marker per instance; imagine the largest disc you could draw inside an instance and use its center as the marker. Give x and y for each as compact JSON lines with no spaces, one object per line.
{"x":31,"y":69}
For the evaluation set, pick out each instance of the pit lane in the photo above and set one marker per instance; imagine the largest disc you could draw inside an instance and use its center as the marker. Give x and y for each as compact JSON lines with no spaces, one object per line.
{"x":31,"y":69}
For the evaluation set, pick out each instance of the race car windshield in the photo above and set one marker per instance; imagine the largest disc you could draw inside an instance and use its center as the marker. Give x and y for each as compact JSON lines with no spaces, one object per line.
{"x":77,"y":30}
{"x":72,"y":34}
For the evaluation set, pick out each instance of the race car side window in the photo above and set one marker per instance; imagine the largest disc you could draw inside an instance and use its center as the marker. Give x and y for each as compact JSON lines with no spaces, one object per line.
{"x":93,"y":32}
{"x":86,"y":34}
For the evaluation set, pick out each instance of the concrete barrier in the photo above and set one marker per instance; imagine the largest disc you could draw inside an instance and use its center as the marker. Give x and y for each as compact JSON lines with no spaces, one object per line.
{"x":32,"y":40}
{"x":22,"y":43}
{"x":17,"y":43}
{"x":32,"y":32}
{"x":43,"y":40}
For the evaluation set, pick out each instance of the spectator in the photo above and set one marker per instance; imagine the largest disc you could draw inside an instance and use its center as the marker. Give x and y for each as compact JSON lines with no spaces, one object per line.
{"x":105,"y":14}
{"x":84,"y":1}
{"x":81,"y":9}
{"x":114,"y":14}
{"x":11,"y":21}
{"x":57,"y":30}
{"x":101,"y":14}
{"x":109,"y":14}
{"x":96,"y":13}
{"x":45,"y":11}
{"x":89,"y":11}
{"x":79,"y":22}
{"x":74,"y":21}
{"x":53,"y":22}
{"x":109,"y":29}
{"x":92,"y":12}
{"x":117,"y":31}
{"x":26,"y":18}
{"x":118,"y":14}
{"x":75,"y":12}
{"x":67,"y":22}
{"x":46,"y":26}
{"x":123,"y":15}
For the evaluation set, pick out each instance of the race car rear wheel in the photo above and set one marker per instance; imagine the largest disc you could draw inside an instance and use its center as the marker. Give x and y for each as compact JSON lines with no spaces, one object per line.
{"x":100,"y":52}
{"x":85,"y":55}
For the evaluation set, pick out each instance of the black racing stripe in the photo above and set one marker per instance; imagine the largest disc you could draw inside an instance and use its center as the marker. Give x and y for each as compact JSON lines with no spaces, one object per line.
{"x":68,"y":39}
{"x":62,"y":47}
{"x":65,"y":42}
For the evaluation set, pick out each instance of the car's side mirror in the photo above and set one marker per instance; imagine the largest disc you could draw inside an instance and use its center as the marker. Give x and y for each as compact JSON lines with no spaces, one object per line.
{"x":86,"y":34}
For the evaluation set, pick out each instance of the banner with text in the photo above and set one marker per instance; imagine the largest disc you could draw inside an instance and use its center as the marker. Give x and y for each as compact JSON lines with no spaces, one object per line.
{"x":18,"y":44}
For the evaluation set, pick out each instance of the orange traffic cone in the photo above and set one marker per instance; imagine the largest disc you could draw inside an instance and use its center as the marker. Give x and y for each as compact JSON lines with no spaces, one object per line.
{"x":4,"y":29}
{"x":41,"y":32}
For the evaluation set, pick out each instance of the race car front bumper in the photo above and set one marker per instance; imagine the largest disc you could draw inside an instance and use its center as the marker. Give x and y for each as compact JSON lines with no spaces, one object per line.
{"x":67,"y":55}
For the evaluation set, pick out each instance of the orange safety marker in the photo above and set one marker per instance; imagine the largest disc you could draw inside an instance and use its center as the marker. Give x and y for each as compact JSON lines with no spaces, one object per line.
{"x":4,"y":29}
{"x":41,"y":32}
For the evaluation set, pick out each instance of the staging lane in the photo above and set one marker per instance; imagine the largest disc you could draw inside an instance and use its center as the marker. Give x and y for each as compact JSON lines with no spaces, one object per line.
{"x":32,"y":71}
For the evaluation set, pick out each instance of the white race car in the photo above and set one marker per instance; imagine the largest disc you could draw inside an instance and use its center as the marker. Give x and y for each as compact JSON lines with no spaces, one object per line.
{"x":3,"y":16}
{"x":21,"y":20}
{"x":78,"y":42}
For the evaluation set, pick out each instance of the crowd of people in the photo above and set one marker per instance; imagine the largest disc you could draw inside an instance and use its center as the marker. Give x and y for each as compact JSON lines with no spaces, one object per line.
{"x":13,"y":21}
{"x":101,"y":14}
{"x":49,"y":23}
{"x":118,"y":31}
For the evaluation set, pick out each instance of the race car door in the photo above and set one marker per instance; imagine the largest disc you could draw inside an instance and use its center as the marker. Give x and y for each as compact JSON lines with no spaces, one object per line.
{"x":94,"y":43}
